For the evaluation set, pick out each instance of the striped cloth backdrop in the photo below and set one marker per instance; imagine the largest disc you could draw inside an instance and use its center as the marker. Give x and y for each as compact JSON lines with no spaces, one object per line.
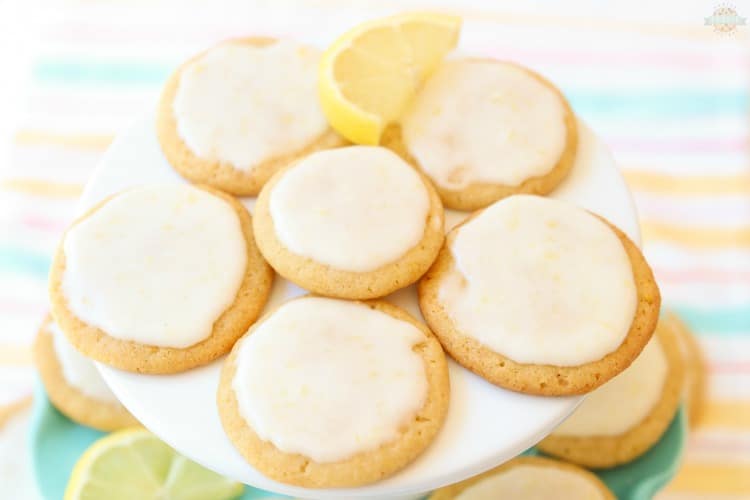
{"x":671,"y":100}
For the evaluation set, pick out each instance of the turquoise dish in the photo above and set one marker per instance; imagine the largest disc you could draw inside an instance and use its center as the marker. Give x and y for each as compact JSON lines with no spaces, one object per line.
{"x":641,"y":479}
{"x":56,"y":443}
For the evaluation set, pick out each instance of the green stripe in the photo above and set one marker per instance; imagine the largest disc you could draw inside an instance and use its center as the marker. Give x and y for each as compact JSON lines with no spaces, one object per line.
{"x":734,"y":320}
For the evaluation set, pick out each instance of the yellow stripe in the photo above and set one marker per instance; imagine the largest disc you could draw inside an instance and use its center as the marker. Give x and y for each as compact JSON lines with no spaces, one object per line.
{"x":696,"y":236}
{"x":687,"y":185}
{"x":713,"y":478}
{"x":13,"y":355}
{"x":96,"y":142}
{"x":6,"y":412}
{"x":42,"y":188}
{"x":726,"y":414}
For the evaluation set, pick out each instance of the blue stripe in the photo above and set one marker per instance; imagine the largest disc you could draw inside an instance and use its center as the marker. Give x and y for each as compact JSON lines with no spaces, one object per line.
{"x":658,"y":103}
{"x":680,"y":103}
{"x":23,"y":261}
{"x":733,"y":320}
{"x":87,"y":72}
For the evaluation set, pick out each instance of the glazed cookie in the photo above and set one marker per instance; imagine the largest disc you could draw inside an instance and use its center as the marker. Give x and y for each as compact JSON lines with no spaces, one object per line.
{"x":525,"y":478}
{"x":694,"y":393}
{"x":235,"y":114}
{"x":354,"y":222}
{"x":330,"y":393}
{"x":159,"y":279}
{"x":540,"y":296}
{"x":74,"y":385}
{"x":621,"y":420}
{"x":483,"y":129}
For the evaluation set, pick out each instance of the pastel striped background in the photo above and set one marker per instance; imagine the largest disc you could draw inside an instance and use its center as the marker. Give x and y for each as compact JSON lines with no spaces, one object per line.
{"x":670,"y":98}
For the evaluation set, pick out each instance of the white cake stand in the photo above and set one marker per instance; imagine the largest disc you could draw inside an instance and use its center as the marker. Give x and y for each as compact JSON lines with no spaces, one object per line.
{"x":485,"y":425}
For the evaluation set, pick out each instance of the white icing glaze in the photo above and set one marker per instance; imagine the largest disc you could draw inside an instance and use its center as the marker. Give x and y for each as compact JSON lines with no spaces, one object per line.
{"x":484,"y":121}
{"x":156,"y":265}
{"x":355,"y":208}
{"x":540,"y":281}
{"x":623,"y":402}
{"x":329,"y":378}
{"x":533,"y":482}
{"x":79,"y":371}
{"x":244,"y":104}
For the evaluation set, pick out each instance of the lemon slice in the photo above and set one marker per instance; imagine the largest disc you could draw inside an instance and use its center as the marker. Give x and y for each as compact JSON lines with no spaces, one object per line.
{"x":133,"y":463}
{"x":369,"y":75}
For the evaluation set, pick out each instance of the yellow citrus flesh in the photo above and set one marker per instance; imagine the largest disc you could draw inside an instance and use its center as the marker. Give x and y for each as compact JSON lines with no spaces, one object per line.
{"x":133,"y":463}
{"x":370,"y":74}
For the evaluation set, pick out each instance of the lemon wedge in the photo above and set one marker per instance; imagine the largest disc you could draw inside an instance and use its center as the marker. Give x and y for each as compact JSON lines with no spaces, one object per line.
{"x":133,"y":463}
{"x":368,"y":76}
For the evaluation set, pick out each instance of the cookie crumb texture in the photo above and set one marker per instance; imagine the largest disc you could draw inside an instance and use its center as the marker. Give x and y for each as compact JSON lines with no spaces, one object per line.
{"x":543,"y":380}
{"x":76,"y":405}
{"x":142,"y":358}
{"x":218,"y":173}
{"x":601,"y":452}
{"x":362,"y":468}
{"x":475,"y":113}
{"x":565,"y":475}
{"x":331,"y":280}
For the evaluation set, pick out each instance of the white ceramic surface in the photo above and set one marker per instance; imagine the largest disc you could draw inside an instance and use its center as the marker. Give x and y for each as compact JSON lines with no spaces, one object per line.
{"x":485,"y":426}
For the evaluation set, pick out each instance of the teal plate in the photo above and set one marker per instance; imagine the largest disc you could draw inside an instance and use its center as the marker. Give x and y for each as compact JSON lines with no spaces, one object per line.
{"x":57,"y":442}
{"x":641,"y":479}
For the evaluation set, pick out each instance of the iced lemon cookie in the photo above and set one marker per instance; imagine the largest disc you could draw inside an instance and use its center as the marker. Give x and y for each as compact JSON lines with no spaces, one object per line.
{"x":621,"y":420}
{"x":694,"y":393}
{"x":330,"y":393}
{"x":529,"y":478}
{"x":159,"y":278}
{"x":483,"y":129}
{"x":235,"y":114}
{"x":74,"y":385}
{"x":355,"y":222}
{"x":540,"y":296}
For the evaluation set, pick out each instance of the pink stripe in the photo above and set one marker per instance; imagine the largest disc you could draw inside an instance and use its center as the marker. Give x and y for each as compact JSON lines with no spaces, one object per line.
{"x":11,"y":306}
{"x":177,"y":34}
{"x":680,"y":59}
{"x":83,"y":32}
{"x":729,"y":367}
{"x":41,"y":223}
{"x":728,"y":211}
{"x":705,"y":443}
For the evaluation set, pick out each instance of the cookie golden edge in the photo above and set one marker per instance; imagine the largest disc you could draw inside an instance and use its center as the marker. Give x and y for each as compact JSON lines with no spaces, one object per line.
{"x":220,"y":174}
{"x":69,"y":400}
{"x":141,"y":358}
{"x":326,"y":280}
{"x":543,"y":380}
{"x":363,"y":468}
{"x":601,"y":452}
{"x":480,"y":194}
{"x":454,"y":490}
{"x":696,"y":378}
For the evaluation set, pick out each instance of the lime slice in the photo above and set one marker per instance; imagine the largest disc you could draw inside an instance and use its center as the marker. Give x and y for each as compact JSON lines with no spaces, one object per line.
{"x":134,"y":464}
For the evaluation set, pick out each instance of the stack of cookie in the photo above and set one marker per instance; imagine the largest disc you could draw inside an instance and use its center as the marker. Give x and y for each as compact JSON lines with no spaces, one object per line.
{"x":340,"y":387}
